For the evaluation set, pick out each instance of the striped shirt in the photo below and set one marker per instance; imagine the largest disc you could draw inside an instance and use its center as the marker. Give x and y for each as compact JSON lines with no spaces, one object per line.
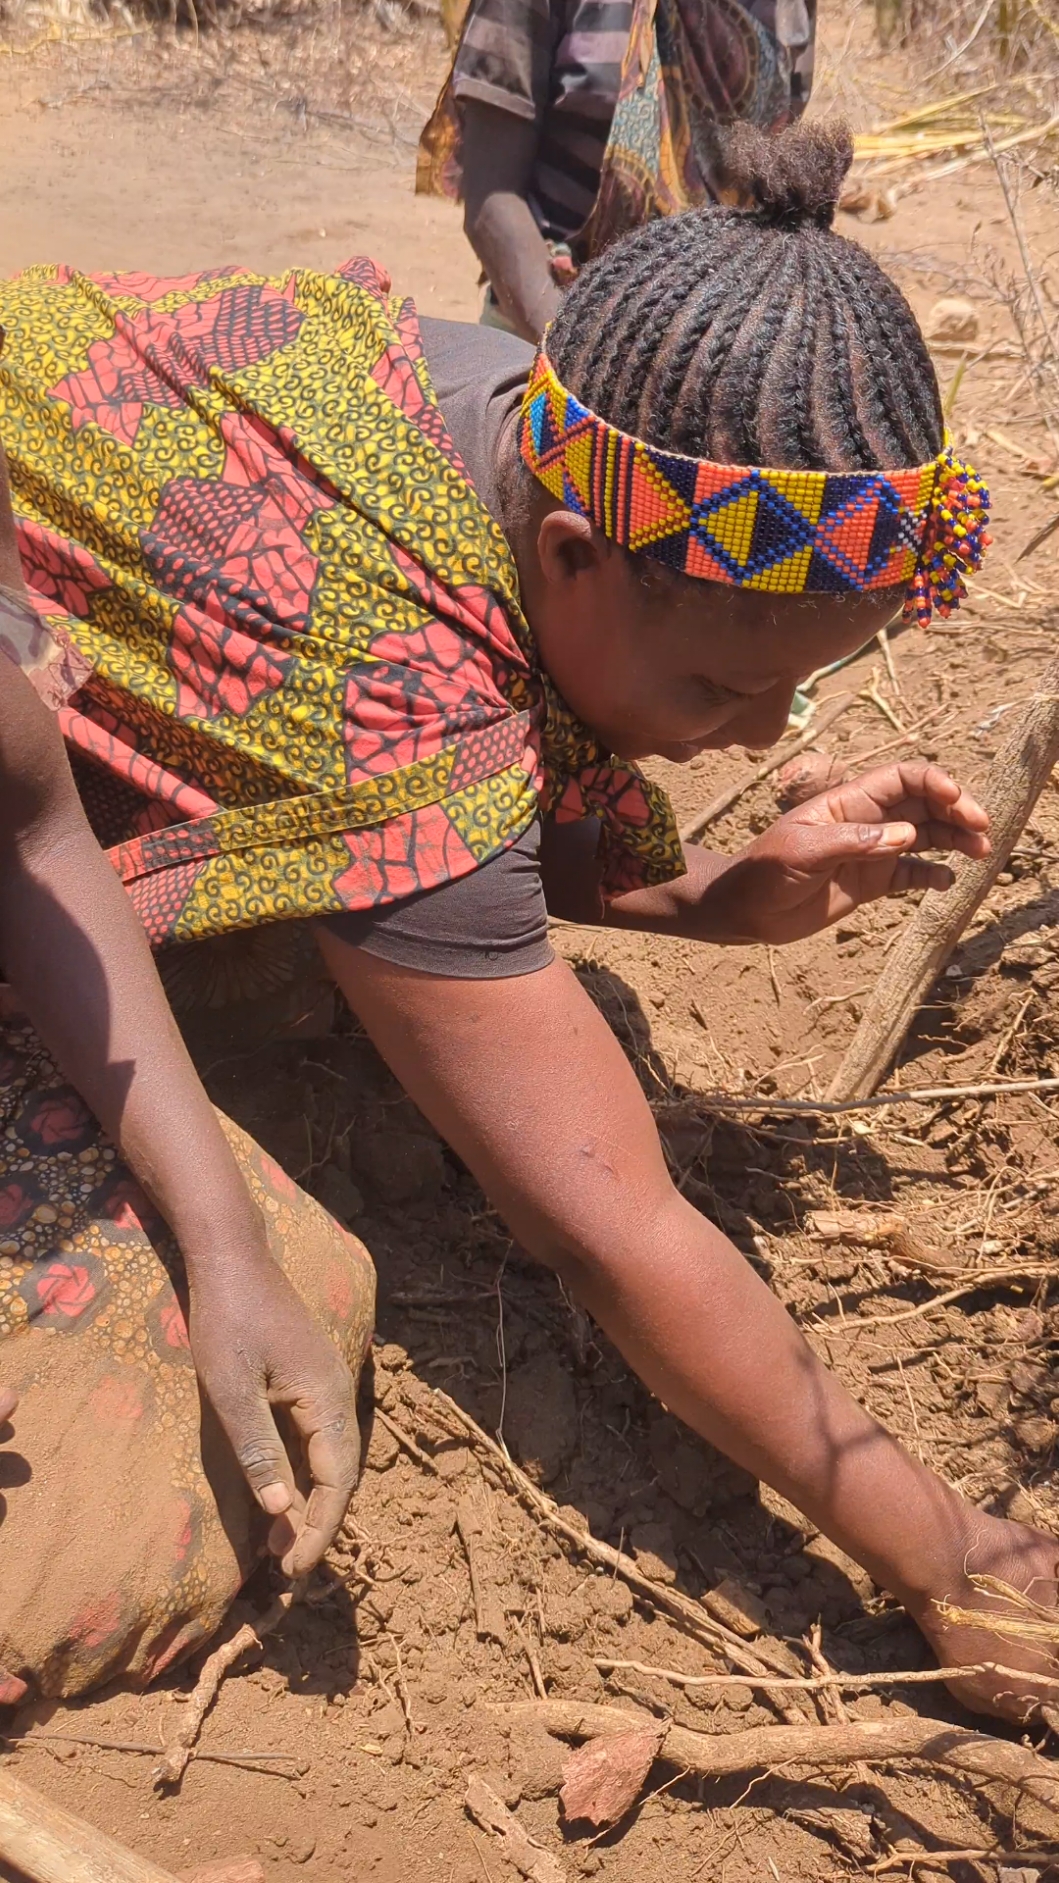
{"x":558,"y":63}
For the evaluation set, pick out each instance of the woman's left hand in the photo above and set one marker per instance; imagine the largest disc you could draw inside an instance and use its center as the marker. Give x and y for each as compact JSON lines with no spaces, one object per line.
{"x":852,"y":844}
{"x":259,"y":1350}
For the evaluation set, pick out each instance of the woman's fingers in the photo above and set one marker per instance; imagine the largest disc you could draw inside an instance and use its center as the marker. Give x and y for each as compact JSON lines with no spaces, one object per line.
{"x":332,"y":1446}
{"x":915,"y":789}
{"x":931,"y":835}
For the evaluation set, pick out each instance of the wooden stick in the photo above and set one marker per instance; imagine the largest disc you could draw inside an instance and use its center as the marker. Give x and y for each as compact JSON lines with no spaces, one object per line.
{"x":531,"y":1859}
{"x":50,"y":1845}
{"x":1016,"y":780}
{"x":833,"y":1108}
{"x":488,"y":1608}
{"x":977,"y":1756}
{"x":724,"y":800}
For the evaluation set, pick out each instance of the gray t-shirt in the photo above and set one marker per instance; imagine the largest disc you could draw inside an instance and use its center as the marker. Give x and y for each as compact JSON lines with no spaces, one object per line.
{"x":493,"y":923}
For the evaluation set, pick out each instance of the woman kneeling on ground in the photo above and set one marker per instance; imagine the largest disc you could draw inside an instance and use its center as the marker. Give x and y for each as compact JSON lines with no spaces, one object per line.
{"x":376,"y":616}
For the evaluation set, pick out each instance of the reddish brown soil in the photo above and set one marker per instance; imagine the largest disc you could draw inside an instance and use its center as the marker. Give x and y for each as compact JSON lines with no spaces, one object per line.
{"x":379,"y":1690}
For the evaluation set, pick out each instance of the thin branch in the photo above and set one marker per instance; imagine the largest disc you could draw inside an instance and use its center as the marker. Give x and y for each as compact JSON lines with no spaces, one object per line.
{"x":821,"y":1683}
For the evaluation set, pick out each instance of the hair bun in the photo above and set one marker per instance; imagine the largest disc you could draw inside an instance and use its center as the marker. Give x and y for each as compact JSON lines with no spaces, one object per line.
{"x":791,"y":178}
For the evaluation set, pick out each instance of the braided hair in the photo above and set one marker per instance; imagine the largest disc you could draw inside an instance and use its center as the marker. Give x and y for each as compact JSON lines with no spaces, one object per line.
{"x":755,"y":335}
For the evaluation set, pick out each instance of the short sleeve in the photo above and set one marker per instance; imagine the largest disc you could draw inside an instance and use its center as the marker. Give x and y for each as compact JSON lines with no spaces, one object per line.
{"x":489,"y":926}
{"x":505,"y":55}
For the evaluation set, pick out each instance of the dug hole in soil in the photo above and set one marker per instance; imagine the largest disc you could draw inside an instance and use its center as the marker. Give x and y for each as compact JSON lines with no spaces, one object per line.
{"x":379,"y":1688}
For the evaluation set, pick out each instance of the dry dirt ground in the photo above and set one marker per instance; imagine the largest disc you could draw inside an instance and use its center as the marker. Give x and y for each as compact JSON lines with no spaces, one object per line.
{"x":379,"y":1691}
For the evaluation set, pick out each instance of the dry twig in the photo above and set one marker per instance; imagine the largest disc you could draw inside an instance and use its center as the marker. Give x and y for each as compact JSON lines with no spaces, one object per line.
{"x":529,"y":1858}
{"x":488,"y":1612}
{"x":820,"y":1683}
{"x":173,"y":1762}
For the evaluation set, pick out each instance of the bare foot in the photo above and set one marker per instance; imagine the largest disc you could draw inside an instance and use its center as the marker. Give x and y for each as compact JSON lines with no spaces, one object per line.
{"x":1026,"y":1561}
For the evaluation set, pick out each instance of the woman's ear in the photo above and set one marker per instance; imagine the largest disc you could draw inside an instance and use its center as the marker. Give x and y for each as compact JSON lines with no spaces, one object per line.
{"x":568,"y":546}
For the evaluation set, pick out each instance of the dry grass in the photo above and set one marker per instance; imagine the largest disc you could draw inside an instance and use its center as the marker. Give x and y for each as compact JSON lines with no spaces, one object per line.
{"x":975,"y":40}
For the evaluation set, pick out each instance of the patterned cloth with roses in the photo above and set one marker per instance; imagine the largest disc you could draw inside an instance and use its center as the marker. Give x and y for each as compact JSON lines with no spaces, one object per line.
{"x":126,"y":1525}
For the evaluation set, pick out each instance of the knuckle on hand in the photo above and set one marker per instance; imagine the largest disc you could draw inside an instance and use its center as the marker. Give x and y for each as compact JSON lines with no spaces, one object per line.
{"x":260,"y":1460}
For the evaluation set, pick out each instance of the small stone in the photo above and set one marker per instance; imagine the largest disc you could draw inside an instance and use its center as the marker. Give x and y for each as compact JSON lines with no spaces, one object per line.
{"x":302,"y":1850}
{"x":452,"y":1462}
{"x":952,"y":318}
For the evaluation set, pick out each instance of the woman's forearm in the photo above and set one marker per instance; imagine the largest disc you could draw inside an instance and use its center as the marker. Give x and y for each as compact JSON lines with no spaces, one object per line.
{"x":76,"y":956}
{"x":515,"y":257}
{"x":499,"y":151}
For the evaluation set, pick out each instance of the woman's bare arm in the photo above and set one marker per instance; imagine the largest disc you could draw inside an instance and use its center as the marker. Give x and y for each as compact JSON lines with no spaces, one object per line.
{"x":526,"y":1081}
{"x":76,"y":955}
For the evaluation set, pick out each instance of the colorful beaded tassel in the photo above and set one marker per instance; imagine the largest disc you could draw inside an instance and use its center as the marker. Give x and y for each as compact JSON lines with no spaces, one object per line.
{"x":955,"y":541}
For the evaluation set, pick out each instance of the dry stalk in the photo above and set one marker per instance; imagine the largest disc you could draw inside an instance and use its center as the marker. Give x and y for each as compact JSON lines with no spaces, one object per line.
{"x":1026,"y":1620}
{"x":839,"y":1683}
{"x":1038,"y":344}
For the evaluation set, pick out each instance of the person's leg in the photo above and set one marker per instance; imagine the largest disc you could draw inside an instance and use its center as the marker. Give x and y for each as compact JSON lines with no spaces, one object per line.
{"x":529,"y":1085}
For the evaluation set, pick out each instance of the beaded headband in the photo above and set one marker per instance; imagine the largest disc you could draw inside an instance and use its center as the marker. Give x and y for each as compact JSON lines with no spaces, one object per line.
{"x":787,"y":532}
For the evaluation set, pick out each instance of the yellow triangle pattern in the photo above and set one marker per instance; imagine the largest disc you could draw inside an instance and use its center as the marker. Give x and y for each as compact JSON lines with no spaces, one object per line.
{"x":786,"y":577}
{"x":578,"y":458}
{"x":733,"y":525}
{"x":803,"y":489}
